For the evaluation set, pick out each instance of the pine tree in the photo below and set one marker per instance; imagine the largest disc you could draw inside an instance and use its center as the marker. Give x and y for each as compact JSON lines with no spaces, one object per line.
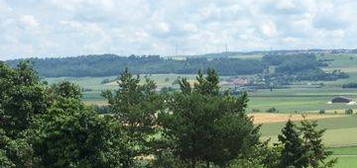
{"x":312,"y":137}
{"x":293,"y":153}
{"x":135,"y":106}
{"x":203,"y":126}
{"x":207,"y":85}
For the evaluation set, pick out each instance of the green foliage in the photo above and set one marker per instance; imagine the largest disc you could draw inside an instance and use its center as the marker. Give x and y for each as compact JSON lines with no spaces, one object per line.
{"x":300,"y":67}
{"x":322,"y":111}
{"x":259,"y":156}
{"x":318,"y":155}
{"x":15,"y":153}
{"x":201,"y":125}
{"x":293,"y":153}
{"x":66,"y":89}
{"x":349,"y":111}
{"x":135,"y":106}
{"x":303,"y":147}
{"x":349,"y":85}
{"x":166,"y":159}
{"x":272,"y":110}
{"x":51,"y":127}
{"x":22,"y":96}
{"x":72,"y":135}
{"x":207,"y":85}
{"x":109,"y":65}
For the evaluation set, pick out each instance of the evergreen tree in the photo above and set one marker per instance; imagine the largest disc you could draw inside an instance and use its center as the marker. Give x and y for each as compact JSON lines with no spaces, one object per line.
{"x":207,"y":85}
{"x":135,"y":106}
{"x":203,"y":126}
{"x":318,"y":155}
{"x":293,"y":153}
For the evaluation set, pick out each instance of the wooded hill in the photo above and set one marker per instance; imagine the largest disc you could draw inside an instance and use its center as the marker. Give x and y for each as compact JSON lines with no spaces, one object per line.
{"x":295,"y":65}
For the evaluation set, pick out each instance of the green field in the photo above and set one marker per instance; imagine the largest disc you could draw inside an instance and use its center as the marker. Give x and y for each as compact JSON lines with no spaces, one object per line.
{"x":300,"y":99}
{"x":347,"y":156}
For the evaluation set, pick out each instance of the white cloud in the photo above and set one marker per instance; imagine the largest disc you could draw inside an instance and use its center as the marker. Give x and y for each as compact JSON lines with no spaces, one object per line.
{"x":269,"y":29}
{"x":29,"y":20}
{"x":74,"y":27}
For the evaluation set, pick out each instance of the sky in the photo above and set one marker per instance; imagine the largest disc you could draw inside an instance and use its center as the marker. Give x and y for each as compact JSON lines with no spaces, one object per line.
{"x":60,"y":28}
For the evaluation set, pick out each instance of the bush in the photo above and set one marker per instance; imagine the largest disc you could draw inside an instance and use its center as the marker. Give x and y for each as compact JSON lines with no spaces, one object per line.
{"x":349,"y":85}
{"x":272,"y":110}
{"x":255,"y":110}
{"x":322,"y":111}
{"x":87,"y":90}
{"x":105,"y":81}
{"x":349,"y":111}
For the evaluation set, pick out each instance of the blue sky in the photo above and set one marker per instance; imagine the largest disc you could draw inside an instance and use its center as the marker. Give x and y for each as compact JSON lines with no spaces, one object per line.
{"x":59,"y":28}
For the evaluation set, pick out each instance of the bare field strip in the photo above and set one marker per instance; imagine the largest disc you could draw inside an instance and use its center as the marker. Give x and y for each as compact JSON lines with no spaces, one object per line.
{"x":260,"y":118}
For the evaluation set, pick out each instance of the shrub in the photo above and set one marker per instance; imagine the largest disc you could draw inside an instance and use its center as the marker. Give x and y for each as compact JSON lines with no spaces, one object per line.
{"x":349,"y":85}
{"x":105,"y":81}
{"x":349,"y":111}
{"x":272,"y":110}
{"x":255,"y":110}
{"x":86,"y":90}
{"x":322,"y":111}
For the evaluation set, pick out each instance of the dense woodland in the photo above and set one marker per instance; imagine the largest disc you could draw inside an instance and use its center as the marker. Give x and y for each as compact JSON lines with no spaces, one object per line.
{"x":109,"y":65}
{"x":297,"y":67}
{"x":292,"y":66}
{"x":46,"y":126}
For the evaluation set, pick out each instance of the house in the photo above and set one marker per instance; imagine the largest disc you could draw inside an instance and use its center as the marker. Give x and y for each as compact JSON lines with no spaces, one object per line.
{"x":341,"y":99}
{"x":240,"y":81}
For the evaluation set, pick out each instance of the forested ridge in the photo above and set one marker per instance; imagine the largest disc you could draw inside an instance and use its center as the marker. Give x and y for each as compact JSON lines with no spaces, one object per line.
{"x":293,"y":67}
{"x":109,"y":64}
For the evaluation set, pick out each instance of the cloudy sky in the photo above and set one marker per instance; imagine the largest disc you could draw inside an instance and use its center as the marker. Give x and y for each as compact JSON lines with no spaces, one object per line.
{"x":58,"y":28}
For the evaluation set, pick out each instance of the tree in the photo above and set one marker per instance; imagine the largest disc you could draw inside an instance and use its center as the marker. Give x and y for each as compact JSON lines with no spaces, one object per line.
{"x":16,"y":153}
{"x":317,"y":154}
{"x":259,"y":156}
{"x":66,"y":89}
{"x":22,"y":96}
{"x":207,"y":85}
{"x":135,"y":106}
{"x":73,"y":135}
{"x":202,"y":125}
{"x":51,"y":127}
{"x":293,"y":153}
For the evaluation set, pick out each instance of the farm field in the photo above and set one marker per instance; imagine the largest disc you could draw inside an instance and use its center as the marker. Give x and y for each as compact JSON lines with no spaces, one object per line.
{"x":347,"y":156}
{"x":300,"y":99}
{"x":295,"y":99}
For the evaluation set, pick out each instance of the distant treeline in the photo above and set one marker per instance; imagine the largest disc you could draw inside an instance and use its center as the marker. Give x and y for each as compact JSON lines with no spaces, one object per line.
{"x":302,"y":66}
{"x":108,"y":65}
{"x":350,"y":85}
